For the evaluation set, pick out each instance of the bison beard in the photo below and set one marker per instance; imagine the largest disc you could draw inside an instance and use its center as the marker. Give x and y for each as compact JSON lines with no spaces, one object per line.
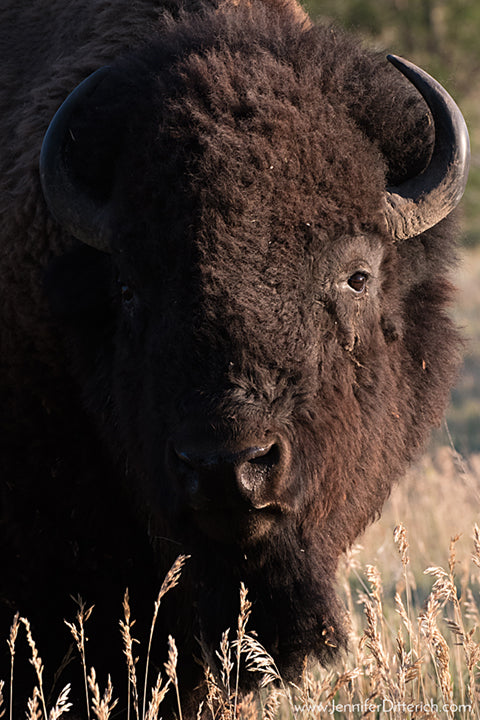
{"x":223,"y":324}
{"x":281,"y":580}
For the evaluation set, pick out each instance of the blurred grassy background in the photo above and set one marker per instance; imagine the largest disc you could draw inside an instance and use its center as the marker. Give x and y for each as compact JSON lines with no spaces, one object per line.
{"x":443,"y":37}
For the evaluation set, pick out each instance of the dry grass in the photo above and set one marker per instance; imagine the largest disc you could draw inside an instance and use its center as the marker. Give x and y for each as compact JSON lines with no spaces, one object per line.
{"x":407,"y":659}
{"x":78,"y":632}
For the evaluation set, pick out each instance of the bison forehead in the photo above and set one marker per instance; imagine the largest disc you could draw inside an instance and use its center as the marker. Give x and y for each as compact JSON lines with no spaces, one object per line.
{"x":245,"y":142}
{"x":250,"y":214}
{"x":270,"y":174}
{"x":273,"y":135}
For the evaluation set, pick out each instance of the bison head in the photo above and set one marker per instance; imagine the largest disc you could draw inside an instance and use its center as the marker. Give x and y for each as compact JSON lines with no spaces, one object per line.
{"x":256,"y":309}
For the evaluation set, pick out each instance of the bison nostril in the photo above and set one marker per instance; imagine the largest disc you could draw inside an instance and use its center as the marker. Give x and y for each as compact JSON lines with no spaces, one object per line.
{"x":260,"y":469}
{"x":267,"y":459}
{"x":222,"y":476}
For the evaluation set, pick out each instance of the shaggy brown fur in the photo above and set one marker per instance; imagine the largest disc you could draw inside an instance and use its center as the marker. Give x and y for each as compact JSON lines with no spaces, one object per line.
{"x":245,"y":154}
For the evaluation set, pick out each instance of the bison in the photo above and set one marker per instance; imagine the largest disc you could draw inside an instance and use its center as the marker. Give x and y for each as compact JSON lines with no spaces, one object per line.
{"x":224,"y":286}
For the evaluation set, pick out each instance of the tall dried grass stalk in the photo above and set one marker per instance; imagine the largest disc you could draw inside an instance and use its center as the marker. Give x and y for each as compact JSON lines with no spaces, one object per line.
{"x":128,"y":643}
{"x":400,"y":539}
{"x":243,"y":617}
{"x":226,"y":664}
{"x":78,"y":632}
{"x":171,"y":670}
{"x":381,"y":679}
{"x":456,"y":625}
{"x":438,"y":646}
{"x":12,"y":639}
{"x":36,"y":661}
{"x":170,"y":581}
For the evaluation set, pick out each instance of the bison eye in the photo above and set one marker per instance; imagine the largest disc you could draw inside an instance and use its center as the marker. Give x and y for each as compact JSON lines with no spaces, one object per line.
{"x":358,"y":282}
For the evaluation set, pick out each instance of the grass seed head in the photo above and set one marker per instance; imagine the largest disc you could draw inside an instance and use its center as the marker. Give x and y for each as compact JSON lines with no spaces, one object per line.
{"x":245,"y":610}
{"x":272,"y":704}
{"x":476,"y":545}
{"x":171,"y":664}
{"x":452,"y":556}
{"x":102,"y":706}
{"x":33,"y":706}
{"x":62,"y":705}
{"x":401,"y":541}
{"x":159,"y":692}
{"x":226,"y":663}
{"x":172,"y":577}
{"x":257,"y":659}
{"x":13,"y":634}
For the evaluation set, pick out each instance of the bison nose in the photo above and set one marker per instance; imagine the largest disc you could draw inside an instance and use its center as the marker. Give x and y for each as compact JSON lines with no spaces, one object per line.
{"x":225,"y":478}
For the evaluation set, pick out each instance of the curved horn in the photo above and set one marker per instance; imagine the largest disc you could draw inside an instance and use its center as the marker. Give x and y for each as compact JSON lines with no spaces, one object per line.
{"x":421,"y":202}
{"x":74,"y":209}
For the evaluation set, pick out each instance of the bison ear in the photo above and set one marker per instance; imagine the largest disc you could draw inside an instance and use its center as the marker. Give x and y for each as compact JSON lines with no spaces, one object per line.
{"x":79,"y":155}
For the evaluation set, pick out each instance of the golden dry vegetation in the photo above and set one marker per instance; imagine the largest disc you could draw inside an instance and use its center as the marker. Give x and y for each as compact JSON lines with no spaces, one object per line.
{"x":413,"y":608}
